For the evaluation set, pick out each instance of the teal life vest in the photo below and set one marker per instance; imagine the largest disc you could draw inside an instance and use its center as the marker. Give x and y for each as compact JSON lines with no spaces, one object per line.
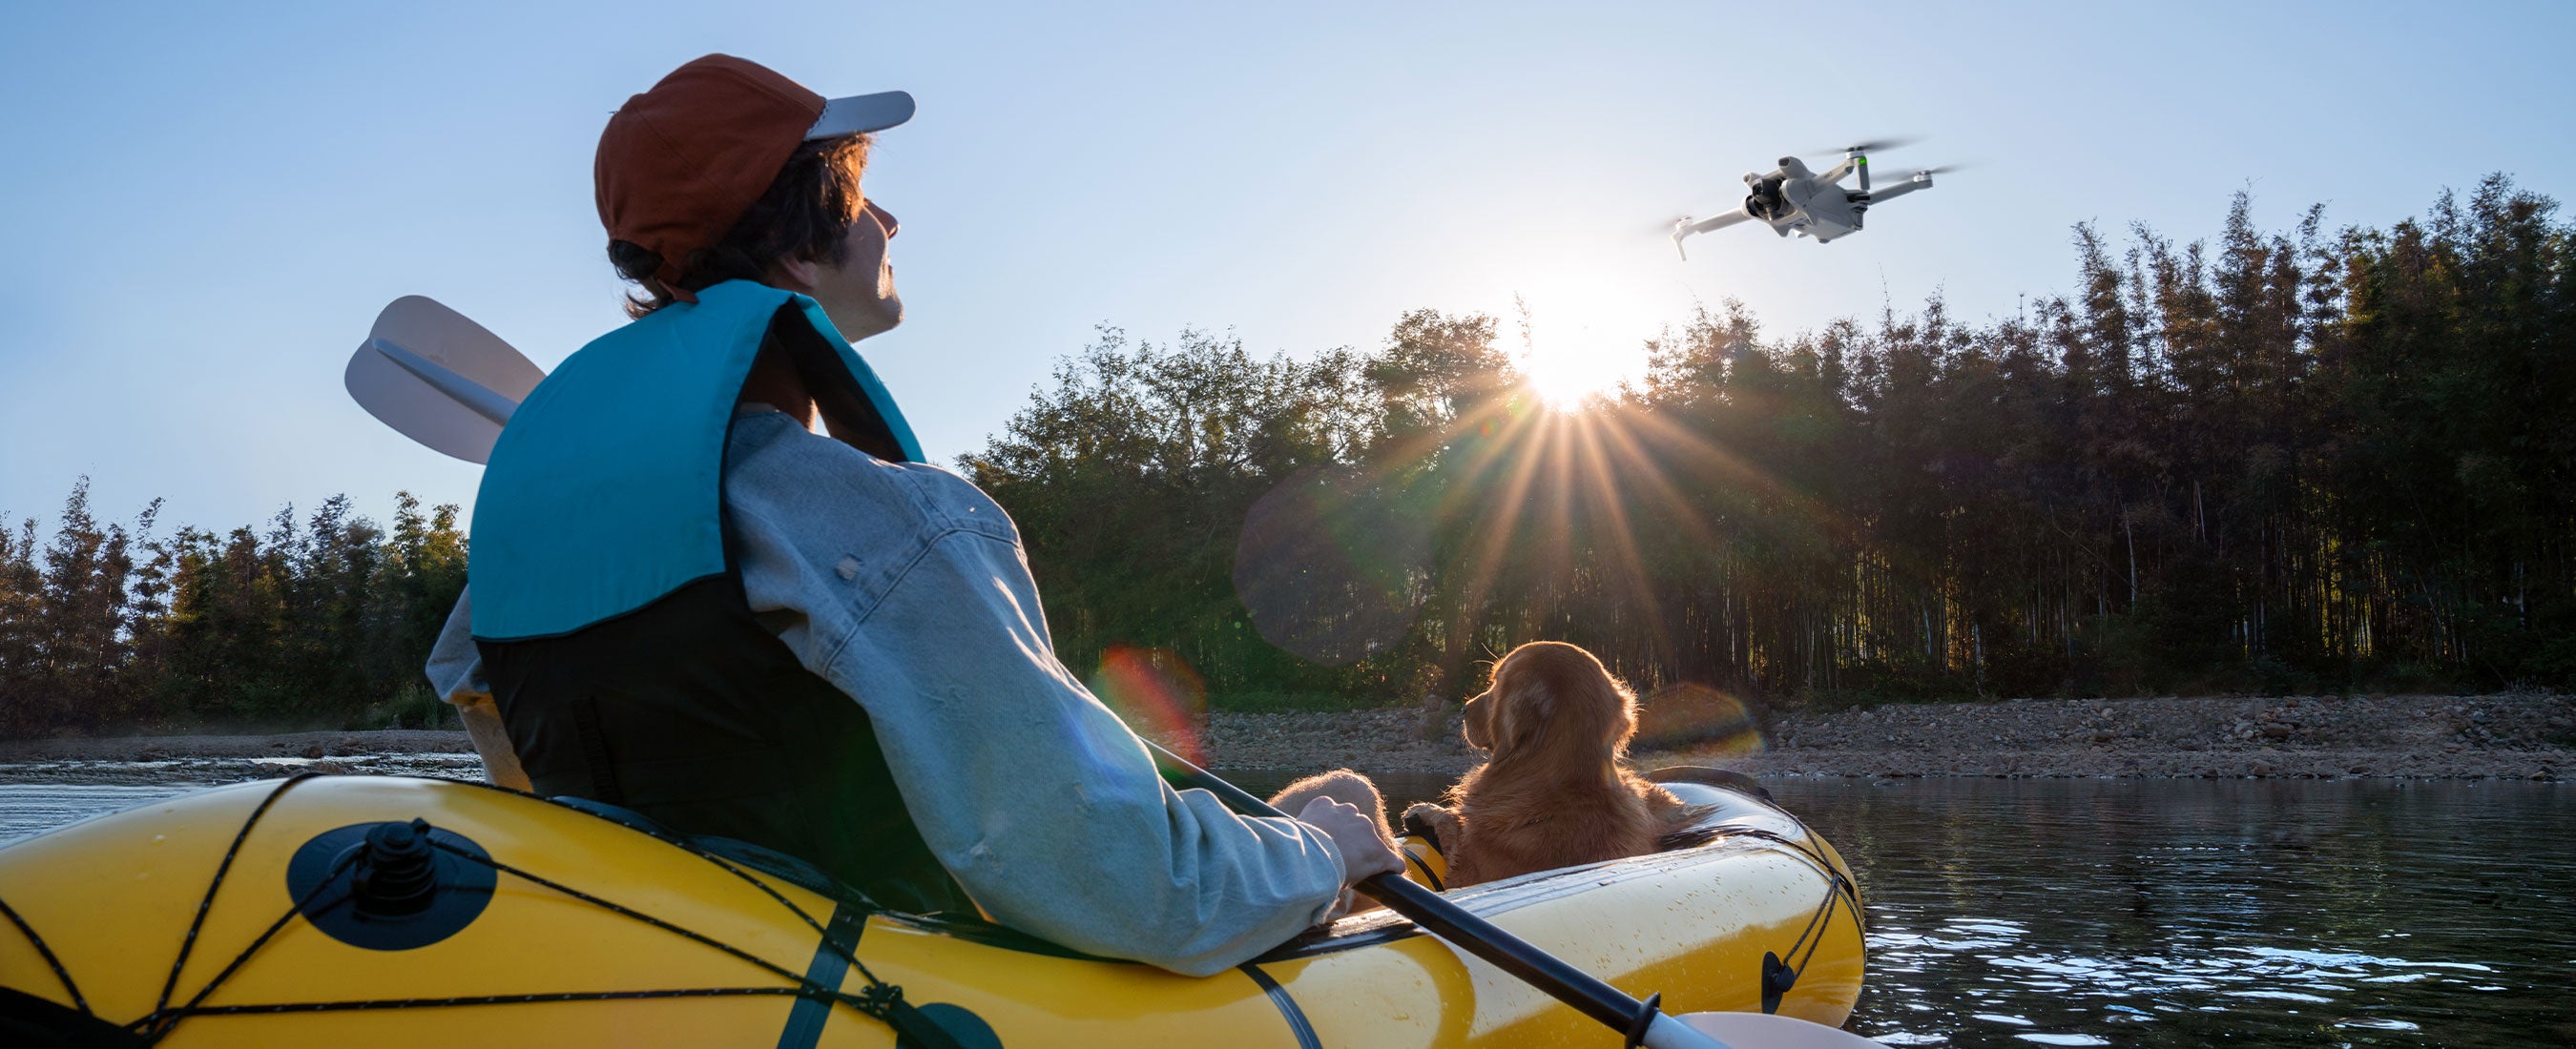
{"x":627,"y":664}
{"x":603,"y":492}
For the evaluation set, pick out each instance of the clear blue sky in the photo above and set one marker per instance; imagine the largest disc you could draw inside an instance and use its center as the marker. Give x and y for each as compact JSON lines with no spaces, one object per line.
{"x":204,"y":206}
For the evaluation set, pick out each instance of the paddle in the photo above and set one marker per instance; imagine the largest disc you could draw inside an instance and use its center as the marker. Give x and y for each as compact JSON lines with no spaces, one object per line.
{"x":445,"y":381}
{"x":439,"y":378}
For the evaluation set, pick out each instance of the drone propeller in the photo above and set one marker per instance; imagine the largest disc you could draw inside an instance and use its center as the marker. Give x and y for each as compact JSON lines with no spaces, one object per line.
{"x":1872,"y":146}
{"x":1941,"y":170}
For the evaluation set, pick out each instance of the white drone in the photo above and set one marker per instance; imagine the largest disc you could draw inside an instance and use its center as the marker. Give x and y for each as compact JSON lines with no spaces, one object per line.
{"x":1793,"y":199}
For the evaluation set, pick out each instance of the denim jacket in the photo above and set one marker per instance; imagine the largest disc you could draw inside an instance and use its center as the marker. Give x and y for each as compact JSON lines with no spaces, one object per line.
{"x":904,"y":586}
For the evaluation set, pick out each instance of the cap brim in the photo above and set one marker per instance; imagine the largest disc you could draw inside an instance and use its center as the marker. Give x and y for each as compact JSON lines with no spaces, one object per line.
{"x":859,"y":114}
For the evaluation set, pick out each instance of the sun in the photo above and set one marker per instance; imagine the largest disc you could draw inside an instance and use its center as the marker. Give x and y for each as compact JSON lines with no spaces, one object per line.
{"x":1569,"y":377}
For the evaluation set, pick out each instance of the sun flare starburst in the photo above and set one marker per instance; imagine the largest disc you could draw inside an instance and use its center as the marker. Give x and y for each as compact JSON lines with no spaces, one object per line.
{"x":1569,"y":377}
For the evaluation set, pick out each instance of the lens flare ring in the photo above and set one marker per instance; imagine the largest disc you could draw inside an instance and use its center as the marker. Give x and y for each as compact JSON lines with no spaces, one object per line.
{"x":1157,"y":694}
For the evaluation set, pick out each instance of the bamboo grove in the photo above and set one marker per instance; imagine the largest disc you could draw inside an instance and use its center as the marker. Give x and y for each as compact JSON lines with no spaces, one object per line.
{"x":2271,"y":461}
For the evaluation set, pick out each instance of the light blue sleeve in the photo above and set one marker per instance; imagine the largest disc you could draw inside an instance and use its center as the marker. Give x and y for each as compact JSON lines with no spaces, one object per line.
{"x":455,"y":667}
{"x":905,"y":587}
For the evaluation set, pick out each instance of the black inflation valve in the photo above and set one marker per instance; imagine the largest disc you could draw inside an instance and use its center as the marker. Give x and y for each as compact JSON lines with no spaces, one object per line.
{"x":398,"y":874}
{"x":390,"y":886}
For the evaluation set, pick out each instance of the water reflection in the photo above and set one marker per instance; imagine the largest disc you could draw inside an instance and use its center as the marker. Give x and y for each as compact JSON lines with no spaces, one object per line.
{"x":2193,"y":912}
{"x":28,"y":809}
{"x":2188,"y":912}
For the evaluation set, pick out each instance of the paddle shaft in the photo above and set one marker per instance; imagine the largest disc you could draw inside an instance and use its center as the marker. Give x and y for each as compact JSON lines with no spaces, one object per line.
{"x":1587,"y":993}
{"x":473,"y":395}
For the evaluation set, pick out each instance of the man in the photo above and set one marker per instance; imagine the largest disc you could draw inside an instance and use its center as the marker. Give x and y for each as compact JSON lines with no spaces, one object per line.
{"x":689,"y":604}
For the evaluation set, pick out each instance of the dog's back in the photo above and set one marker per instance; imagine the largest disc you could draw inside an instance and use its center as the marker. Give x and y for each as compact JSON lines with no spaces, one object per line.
{"x":1553,"y":794}
{"x":1504,"y":832}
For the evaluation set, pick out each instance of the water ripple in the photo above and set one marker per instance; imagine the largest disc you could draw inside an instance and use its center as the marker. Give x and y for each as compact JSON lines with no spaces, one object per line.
{"x":2181,"y":913}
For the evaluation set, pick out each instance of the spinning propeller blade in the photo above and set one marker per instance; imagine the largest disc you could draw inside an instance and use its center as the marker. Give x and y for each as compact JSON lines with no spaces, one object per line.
{"x":1871,"y":146}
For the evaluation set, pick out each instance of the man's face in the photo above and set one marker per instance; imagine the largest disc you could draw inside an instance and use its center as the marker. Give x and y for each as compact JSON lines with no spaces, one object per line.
{"x":858,"y":293}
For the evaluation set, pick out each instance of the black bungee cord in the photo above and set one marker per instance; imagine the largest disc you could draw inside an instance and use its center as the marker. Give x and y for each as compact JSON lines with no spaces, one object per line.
{"x":60,"y":973}
{"x":158,"y":1023}
{"x":880,"y":1000}
{"x":1837,"y":887}
{"x":188,"y":943}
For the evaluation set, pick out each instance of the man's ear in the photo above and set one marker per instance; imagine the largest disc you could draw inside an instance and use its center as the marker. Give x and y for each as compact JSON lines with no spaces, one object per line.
{"x":795,"y":273}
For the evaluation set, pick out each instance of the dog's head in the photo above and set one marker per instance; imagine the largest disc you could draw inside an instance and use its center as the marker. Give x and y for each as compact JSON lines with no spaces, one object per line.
{"x":1548,"y":698}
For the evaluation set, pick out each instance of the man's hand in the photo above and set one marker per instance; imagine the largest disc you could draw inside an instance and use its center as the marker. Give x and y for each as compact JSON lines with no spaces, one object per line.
{"x":1355,"y":835}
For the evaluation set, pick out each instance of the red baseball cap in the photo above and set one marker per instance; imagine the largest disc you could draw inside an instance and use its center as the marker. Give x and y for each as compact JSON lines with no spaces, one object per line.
{"x":679,"y":164}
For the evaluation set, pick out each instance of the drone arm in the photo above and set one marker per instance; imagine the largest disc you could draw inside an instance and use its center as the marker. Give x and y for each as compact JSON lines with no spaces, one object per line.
{"x":1836,"y":173}
{"x":1880,"y":193}
{"x":1713,"y":222}
{"x":1685,"y":227}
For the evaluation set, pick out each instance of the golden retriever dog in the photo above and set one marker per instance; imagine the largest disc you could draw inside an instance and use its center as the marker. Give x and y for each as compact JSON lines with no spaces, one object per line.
{"x":1551,"y":793}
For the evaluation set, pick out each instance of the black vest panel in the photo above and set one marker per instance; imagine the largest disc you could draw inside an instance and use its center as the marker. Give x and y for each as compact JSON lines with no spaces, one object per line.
{"x":692,"y":713}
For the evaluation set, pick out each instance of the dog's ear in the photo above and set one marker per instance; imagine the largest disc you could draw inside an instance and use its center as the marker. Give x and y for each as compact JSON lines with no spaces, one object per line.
{"x":1520,"y":714}
{"x":1478,"y":726}
{"x":1556,"y":697}
{"x":1623,"y":726}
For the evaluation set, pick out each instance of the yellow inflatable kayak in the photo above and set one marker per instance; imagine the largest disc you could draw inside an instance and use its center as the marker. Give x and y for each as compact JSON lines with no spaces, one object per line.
{"x":382,"y":911}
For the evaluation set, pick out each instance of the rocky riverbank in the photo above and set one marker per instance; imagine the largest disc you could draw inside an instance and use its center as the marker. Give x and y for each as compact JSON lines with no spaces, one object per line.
{"x":213,"y":759}
{"x":2519,"y":736}
{"x":2512,"y":736}
{"x":2515,"y":736}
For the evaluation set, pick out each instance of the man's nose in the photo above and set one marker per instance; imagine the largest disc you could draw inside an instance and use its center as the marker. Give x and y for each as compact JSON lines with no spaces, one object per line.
{"x":884,"y":218}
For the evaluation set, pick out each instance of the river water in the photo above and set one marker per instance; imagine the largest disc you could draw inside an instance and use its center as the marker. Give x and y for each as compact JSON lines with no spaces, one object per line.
{"x":2202,"y":912}
{"x":2146,"y":912}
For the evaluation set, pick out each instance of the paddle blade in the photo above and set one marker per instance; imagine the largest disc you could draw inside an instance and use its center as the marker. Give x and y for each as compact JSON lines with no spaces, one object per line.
{"x":438,"y":378}
{"x":1766,"y":1031}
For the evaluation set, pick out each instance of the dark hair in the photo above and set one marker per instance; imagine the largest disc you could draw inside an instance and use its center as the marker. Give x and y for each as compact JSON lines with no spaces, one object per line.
{"x":805,"y":213}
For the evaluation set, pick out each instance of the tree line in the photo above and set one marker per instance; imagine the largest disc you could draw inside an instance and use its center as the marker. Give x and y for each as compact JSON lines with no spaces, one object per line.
{"x":2277,"y":460}
{"x":2286,"y":460}
{"x":322,"y":620}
